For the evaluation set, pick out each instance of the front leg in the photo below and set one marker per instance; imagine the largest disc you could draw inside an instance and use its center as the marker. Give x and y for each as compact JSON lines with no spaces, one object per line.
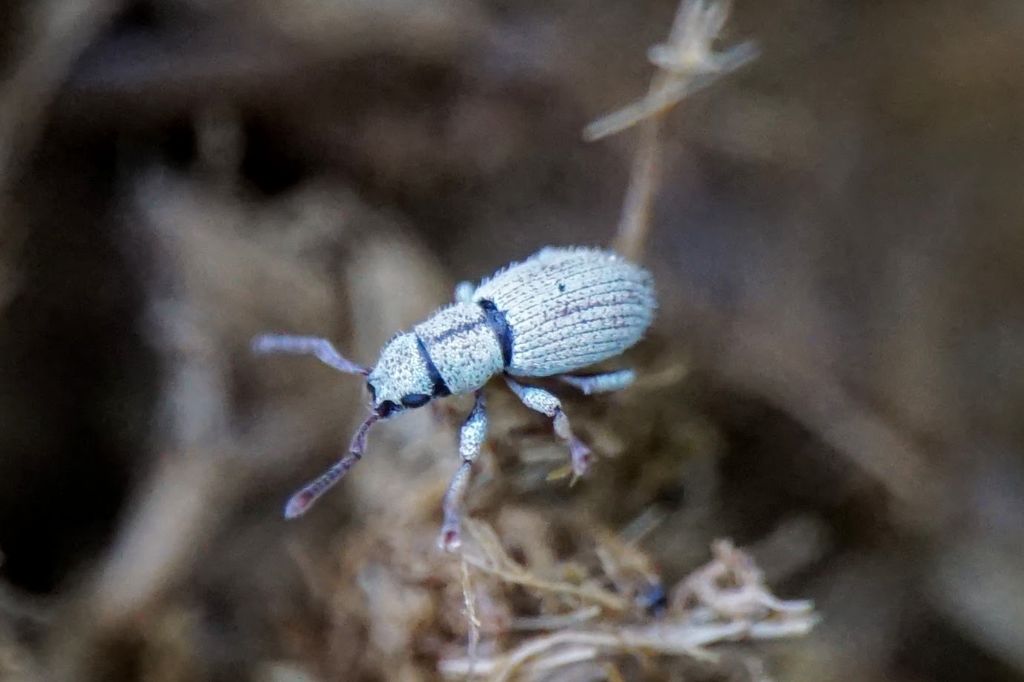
{"x":471,"y":439}
{"x":546,"y":402}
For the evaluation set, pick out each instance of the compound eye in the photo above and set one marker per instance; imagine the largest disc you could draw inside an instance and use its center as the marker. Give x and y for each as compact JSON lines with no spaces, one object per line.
{"x":415,"y":400}
{"x":386,"y":409}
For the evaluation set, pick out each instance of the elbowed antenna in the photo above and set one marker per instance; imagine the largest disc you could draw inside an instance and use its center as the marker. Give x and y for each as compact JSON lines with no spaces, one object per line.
{"x":300,"y":502}
{"x":323,"y":349}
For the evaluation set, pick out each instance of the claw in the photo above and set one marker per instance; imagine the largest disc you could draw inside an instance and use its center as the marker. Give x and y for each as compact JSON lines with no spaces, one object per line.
{"x":581,"y":457}
{"x":450,"y":538}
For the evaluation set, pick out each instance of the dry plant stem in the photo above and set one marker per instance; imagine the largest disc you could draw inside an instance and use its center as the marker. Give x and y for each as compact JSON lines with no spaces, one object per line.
{"x":566,"y":657}
{"x":499,"y":564}
{"x":731,"y":586}
{"x":60,"y":32}
{"x":673,"y":638}
{"x":635,"y":222}
{"x":474,"y":622}
{"x":605,"y":599}
{"x":666,"y":91}
{"x":556,"y":622}
{"x":687,"y":64}
{"x":683,"y":638}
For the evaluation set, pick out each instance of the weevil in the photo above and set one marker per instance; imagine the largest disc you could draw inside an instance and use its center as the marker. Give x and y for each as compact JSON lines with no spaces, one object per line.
{"x":557,"y":312}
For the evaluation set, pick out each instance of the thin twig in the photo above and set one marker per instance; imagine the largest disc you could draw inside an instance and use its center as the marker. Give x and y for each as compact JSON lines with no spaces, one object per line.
{"x":474,"y":622}
{"x":681,"y":637}
{"x":555,"y":622}
{"x":686,"y":64}
{"x":594,"y":595}
{"x":499,"y":564}
{"x":669,"y":638}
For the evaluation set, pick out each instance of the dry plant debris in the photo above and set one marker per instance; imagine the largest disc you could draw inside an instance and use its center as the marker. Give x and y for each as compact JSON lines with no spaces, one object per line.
{"x":726,"y":600}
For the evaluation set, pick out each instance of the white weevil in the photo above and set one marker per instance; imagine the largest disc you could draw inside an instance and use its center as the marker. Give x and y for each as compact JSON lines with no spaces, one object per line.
{"x":556,"y":312}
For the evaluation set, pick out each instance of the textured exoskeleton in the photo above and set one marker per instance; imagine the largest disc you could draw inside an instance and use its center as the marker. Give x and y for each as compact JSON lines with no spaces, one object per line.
{"x":554,"y":313}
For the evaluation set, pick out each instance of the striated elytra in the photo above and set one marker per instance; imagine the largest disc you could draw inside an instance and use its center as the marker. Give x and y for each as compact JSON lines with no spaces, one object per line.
{"x":557,"y":312}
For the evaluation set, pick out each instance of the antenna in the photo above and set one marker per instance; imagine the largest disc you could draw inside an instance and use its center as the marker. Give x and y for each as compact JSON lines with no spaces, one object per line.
{"x":300,"y":502}
{"x":323,"y":349}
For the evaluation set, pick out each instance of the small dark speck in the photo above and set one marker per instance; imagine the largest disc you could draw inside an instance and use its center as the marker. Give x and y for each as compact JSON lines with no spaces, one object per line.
{"x":561,"y":286}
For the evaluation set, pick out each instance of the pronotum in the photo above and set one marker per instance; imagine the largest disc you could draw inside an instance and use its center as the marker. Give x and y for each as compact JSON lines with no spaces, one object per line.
{"x":558,"y":311}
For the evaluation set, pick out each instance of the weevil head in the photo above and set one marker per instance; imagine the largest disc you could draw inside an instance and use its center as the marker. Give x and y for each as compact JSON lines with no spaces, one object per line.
{"x":402,"y":378}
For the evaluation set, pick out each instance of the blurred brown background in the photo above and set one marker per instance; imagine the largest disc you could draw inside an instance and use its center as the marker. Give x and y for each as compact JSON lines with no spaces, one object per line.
{"x":834,"y":380}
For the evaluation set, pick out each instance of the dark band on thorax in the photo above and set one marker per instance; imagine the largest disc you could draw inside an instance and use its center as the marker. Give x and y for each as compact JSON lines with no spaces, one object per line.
{"x":440,"y":387}
{"x":499,"y":325}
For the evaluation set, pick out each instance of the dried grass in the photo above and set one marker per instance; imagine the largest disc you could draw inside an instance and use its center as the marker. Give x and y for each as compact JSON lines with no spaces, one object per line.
{"x":724,"y":601}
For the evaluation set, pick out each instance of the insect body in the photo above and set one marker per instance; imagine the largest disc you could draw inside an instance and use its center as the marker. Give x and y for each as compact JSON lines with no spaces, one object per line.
{"x":556,"y":312}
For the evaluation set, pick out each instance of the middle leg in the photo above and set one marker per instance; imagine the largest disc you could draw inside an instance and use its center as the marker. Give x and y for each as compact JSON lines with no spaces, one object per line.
{"x":547,"y":403}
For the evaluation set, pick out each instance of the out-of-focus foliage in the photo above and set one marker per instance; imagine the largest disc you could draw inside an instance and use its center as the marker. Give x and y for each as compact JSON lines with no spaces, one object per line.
{"x":834,"y":379}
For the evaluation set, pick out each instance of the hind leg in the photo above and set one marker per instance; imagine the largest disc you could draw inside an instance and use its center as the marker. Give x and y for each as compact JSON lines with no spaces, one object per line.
{"x":599,"y":383}
{"x":547,"y":403}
